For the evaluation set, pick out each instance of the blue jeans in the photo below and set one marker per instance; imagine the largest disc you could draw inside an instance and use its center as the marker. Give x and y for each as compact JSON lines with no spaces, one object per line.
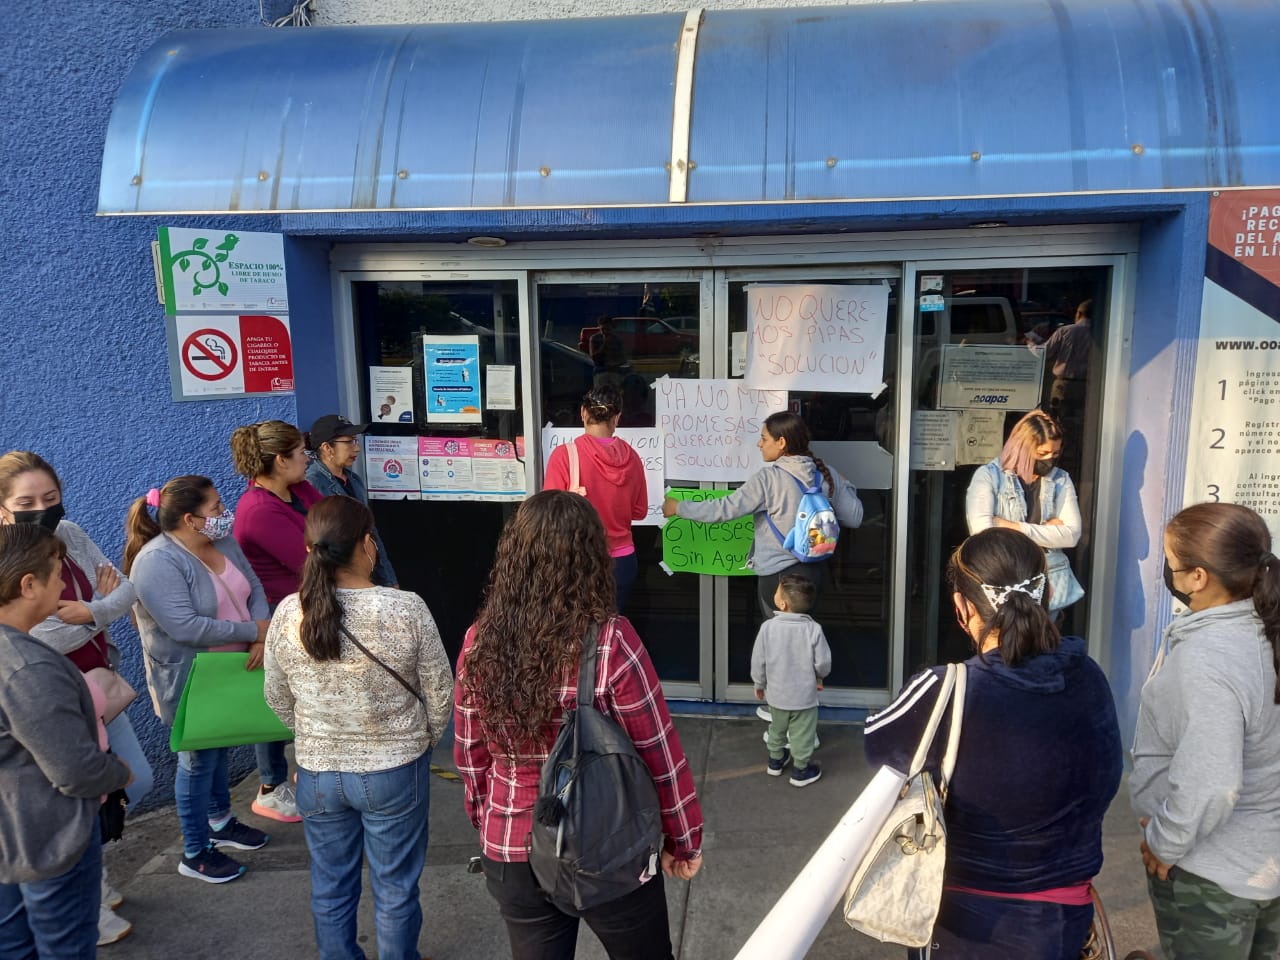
{"x":55,"y":919}
{"x":124,"y":744}
{"x":273,"y":766}
{"x":381,"y":816}
{"x":624,"y":578}
{"x":202,"y":793}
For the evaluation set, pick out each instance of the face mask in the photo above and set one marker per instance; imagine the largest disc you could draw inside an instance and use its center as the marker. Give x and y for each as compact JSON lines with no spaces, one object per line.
{"x":1043,"y":468}
{"x":1183,"y":598}
{"x":371,"y":557}
{"x":47,"y":518}
{"x":215,"y":528}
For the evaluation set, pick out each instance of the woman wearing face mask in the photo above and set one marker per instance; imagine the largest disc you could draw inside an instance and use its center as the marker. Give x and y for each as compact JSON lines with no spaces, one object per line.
{"x":53,"y":768}
{"x":1206,"y":754}
{"x":334,"y":442}
{"x":270,"y":517}
{"x":1024,"y":489}
{"x":1037,"y":765}
{"x":94,"y":594}
{"x":196,"y":591}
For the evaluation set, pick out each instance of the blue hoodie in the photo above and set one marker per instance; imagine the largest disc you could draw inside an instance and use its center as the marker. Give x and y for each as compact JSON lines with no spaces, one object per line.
{"x":1038,"y":763}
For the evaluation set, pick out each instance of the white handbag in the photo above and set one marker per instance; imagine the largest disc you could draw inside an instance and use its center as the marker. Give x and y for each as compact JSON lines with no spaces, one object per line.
{"x":897,"y":889}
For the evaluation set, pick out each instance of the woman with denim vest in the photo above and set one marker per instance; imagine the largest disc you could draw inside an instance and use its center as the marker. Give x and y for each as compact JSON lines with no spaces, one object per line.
{"x":1025,"y":490}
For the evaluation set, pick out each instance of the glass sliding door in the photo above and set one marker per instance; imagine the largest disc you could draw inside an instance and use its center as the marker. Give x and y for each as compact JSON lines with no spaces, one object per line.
{"x":627,"y":330}
{"x":854,"y":433}
{"x":990,"y":344}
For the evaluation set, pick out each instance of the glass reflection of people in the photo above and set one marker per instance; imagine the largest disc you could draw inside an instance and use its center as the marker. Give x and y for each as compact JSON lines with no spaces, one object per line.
{"x":610,"y":476}
{"x":1038,"y":763}
{"x":1024,"y":489}
{"x":1066,"y":354}
{"x":608,"y":354}
{"x":1206,"y":753}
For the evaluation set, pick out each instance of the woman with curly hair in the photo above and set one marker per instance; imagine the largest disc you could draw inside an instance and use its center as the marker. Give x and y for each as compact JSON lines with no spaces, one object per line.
{"x":552,"y":581}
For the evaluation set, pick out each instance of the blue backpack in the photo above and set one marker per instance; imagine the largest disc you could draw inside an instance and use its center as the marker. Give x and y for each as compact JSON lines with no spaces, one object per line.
{"x":816,"y":530}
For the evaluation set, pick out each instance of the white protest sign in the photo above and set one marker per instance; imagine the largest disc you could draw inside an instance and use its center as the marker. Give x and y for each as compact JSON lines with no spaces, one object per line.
{"x":710,"y":427}
{"x":645,"y":441}
{"x":816,"y":337}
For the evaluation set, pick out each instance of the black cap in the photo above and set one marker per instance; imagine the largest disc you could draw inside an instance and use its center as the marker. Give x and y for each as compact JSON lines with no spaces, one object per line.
{"x":332,"y":426}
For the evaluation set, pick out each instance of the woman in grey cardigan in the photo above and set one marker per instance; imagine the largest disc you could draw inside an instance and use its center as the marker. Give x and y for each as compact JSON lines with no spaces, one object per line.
{"x":196,"y":591}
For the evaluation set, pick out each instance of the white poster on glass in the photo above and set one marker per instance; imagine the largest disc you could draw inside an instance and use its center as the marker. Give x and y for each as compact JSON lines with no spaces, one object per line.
{"x":710,"y":428}
{"x":816,"y":336}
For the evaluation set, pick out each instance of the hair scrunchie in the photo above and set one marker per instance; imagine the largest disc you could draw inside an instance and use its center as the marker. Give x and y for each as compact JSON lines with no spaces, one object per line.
{"x":153,"y":498}
{"x":1266,"y":560}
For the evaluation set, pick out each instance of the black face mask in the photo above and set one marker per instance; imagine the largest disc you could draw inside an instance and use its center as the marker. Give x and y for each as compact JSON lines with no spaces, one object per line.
{"x":47,"y":518}
{"x":1183,"y":598}
{"x":1043,"y":468}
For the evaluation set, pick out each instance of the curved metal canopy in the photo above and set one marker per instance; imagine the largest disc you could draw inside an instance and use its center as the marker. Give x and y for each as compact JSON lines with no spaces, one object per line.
{"x":951,"y":98}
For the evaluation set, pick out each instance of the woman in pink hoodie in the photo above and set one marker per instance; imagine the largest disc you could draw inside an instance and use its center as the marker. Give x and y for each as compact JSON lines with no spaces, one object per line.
{"x":609,"y":474}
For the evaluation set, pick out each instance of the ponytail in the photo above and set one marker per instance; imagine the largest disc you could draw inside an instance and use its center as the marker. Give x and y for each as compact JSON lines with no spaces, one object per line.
{"x":787,"y":426}
{"x":321,"y":610}
{"x":335,"y":527}
{"x":1233,"y":543}
{"x":1266,"y":602}
{"x":161,"y":511}
{"x":999,"y":571}
{"x":826,"y":473}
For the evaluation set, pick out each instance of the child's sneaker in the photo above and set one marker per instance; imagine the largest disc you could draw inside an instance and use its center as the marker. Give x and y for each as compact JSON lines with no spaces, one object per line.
{"x":764,"y":714}
{"x":236,"y":834}
{"x":111,"y":929}
{"x":777,"y":766}
{"x":280,"y":804}
{"x":210,"y":865}
{"x":812,"y":773}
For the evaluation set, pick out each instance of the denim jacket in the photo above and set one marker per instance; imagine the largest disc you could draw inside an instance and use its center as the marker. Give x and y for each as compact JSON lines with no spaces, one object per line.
{"x":994,"y":492}
{"x":329,"y":485}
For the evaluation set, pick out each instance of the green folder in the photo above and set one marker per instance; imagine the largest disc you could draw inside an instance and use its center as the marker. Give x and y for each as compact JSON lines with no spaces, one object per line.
{"x":223,"y":706}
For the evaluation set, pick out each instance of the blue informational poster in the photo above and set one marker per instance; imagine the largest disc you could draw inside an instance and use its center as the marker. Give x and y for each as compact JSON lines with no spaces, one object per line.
{"x":453,"y":378}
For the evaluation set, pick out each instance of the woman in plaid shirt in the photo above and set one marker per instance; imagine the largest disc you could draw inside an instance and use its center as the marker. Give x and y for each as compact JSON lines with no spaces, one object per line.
{"x":517,"y":674}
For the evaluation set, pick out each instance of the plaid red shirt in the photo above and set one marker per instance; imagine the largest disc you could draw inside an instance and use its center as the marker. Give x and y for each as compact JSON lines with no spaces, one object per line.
{"x":501,"y":791}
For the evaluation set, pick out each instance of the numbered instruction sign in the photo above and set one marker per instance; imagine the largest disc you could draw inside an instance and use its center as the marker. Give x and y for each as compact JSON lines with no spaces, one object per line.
{"x":217,"y":356}
{"x":1234,"y":449}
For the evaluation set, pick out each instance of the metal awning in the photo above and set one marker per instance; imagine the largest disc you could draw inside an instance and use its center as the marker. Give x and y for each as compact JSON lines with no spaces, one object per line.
{"x":946,"y":99}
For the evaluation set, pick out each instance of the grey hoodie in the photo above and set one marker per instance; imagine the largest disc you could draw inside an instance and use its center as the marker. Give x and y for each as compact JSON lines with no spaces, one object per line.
{"x":1206,"y":754}
{"x":770,"y":492}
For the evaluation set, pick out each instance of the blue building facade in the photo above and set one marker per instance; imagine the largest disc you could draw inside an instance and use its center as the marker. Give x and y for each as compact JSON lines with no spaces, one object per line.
{"x":1029,"y":156}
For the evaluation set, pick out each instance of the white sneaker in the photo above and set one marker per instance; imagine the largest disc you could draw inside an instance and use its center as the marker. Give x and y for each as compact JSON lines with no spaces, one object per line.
{"x":111,"y":897}
{"x":111,"y":928}
{"x":280,"y":804}
{"x":764,"y":714}
{"x":816,"y":742}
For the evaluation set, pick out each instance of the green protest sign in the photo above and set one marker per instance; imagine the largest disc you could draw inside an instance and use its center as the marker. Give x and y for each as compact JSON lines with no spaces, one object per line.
{"x":720,"y":549}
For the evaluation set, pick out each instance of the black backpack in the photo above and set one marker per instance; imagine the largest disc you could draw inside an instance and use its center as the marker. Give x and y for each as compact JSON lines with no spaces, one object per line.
{"x":597,"y":828}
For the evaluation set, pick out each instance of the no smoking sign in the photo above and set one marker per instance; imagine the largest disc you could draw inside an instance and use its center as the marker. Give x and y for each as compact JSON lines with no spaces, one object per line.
{"x":209,"y":354}
{"x":231,"y":356}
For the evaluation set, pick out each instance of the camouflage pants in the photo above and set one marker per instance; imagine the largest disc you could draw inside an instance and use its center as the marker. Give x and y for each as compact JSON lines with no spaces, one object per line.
{"x":1198,"y":920}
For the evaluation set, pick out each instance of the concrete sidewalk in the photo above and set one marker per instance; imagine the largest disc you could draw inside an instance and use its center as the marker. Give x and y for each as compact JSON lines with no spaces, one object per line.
{"x":760,"y":832}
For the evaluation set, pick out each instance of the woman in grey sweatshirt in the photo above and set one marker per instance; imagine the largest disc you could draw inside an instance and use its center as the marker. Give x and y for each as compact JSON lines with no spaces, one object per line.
{"x":1206,"y":754}
{"x":771,"y":495}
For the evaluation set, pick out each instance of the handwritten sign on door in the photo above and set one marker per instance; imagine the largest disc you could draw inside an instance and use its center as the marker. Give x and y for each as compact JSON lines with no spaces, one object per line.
{"x":827,"y":337}
{"x":711,"y":427}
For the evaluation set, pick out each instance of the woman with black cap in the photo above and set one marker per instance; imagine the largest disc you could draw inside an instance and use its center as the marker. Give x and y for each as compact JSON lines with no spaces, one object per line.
{"x":334,"y":442}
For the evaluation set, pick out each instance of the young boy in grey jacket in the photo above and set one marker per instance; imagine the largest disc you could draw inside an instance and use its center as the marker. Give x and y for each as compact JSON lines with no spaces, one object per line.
{"x":788,"y":662}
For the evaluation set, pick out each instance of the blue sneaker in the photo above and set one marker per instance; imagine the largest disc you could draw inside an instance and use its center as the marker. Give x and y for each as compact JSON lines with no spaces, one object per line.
{"x":812,"y":773}
{"x":211,"y":866}
{"x":236,"y":834}
{"x":777,"y":766}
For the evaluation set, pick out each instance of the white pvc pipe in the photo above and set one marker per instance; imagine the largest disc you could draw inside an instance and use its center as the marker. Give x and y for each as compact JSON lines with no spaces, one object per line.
{"x":789,"y":929}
